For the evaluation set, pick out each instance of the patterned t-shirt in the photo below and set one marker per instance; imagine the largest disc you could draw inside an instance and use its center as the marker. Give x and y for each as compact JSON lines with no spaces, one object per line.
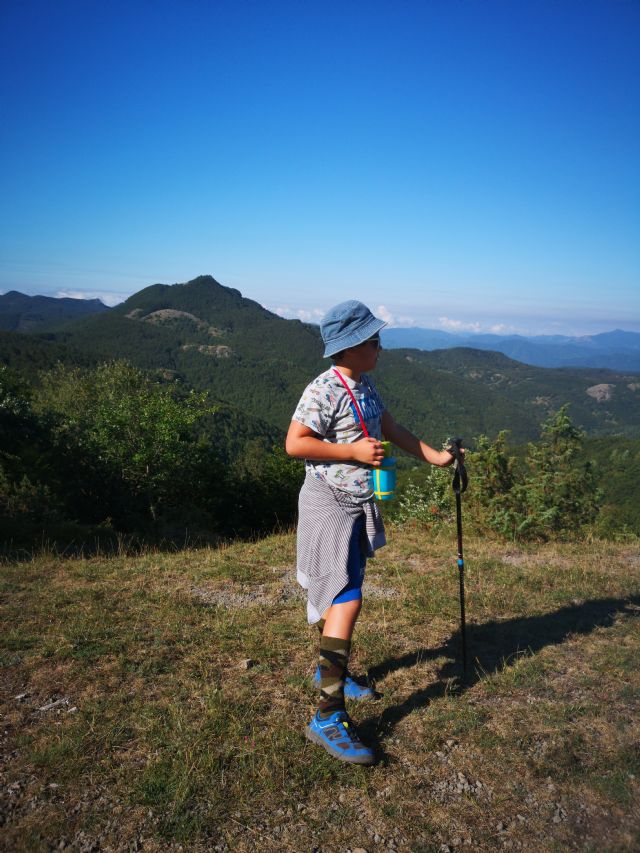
{"x":326,"y":408}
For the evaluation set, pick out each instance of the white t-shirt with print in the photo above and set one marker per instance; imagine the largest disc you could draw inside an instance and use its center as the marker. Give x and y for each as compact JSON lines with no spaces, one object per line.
{"x":327,"y":409}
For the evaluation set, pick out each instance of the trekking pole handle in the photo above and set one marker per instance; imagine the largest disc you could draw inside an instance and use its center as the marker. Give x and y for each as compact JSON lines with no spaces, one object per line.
{"x":460,"y":478}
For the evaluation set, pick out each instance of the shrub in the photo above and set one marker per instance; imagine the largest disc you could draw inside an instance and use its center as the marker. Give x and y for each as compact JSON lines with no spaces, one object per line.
{"x":495,"y":494}
{"x":560,"y":493}
{"x":425,"y":497}
{"x":126,"y":445}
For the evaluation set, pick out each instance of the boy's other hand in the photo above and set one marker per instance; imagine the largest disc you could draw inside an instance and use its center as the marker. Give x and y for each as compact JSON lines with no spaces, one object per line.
{"x":447,"y":458}
{"x":369,"y":451}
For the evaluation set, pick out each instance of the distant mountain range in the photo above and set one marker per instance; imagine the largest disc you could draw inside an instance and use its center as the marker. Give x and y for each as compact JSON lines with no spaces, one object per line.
{"x":208,"y":336}
{"x":615,"y":350}
{"x":22,"y":313}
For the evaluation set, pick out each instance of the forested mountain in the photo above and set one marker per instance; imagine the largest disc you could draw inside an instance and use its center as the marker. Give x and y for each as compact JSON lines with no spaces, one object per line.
{"x":213,"y":338}
{"x":102,"y":422}
{"x":22,"y":313}
{"x":602,"y":402}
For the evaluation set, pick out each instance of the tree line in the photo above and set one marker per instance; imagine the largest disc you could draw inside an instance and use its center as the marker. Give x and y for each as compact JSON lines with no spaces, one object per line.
{"x":108,"y":451}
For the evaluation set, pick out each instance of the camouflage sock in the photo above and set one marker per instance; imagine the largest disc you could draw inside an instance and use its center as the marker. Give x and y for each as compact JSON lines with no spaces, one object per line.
{"x":334,"y":655}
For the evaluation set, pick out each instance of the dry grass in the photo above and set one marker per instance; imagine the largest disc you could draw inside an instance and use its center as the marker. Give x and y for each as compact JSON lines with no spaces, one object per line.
{"x":160,"y":737}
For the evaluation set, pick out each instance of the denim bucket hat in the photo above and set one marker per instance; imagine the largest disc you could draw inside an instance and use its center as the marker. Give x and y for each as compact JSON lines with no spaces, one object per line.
{"x":347,"y":325}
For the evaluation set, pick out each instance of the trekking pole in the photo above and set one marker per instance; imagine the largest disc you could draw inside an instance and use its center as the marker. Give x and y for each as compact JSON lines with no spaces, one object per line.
{"x":460,"y":482}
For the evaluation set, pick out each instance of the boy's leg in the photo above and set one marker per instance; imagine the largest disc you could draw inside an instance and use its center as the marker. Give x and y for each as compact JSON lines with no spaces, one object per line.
{"x":340,"y":619}
{"x":335,"y":645}
{"x":331,"y":727}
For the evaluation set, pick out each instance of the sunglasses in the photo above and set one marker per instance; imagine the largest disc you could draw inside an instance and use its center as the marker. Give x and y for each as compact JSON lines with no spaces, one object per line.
{"x":375,"y":341}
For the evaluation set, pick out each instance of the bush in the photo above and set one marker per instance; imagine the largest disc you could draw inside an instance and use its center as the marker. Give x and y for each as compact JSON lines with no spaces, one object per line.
{"x":495,"y":495}
{"x":559,"y":493}
{"x":554,"y":494}
{"x":127,"y":445}
{"x":424,"y":496}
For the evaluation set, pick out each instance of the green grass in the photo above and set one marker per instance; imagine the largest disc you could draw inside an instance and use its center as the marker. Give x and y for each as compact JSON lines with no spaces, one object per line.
{"x":166,"y":738}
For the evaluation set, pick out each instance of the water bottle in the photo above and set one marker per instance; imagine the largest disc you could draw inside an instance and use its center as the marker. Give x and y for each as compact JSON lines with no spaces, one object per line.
{"x":384,"y":477}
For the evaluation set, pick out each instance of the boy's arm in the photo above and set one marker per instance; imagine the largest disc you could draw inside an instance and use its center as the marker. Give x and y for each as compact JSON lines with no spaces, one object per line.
{"x":408,"y":441}
{"x":303,"y":443}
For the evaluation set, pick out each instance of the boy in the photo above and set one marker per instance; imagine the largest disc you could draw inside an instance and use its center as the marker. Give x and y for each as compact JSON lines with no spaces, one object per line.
{"x":339,"y":524}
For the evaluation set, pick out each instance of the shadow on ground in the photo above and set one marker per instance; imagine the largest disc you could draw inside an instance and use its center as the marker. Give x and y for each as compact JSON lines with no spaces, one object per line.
{"x":491,"y":647}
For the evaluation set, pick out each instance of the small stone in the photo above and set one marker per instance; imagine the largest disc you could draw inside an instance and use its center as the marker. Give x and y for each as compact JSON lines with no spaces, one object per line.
{"x":377,"y":838}
{"x":359,"y":850}
{"x":51,"y":706}
{"x":500,"y":826}
{"x":247,"y":663}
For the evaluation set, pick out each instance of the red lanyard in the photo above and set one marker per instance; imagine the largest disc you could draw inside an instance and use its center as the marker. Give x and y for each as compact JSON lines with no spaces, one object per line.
{"x":353,"y":400}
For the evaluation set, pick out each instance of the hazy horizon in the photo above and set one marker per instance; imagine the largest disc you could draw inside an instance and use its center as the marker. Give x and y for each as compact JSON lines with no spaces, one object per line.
{"x":442,"y":324}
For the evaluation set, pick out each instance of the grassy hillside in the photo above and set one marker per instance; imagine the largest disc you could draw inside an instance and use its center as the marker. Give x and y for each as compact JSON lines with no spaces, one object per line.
{"x":161,"y":700}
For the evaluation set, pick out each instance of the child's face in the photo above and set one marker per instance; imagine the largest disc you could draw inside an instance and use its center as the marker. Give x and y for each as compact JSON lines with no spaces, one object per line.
{"x":365,"y":355}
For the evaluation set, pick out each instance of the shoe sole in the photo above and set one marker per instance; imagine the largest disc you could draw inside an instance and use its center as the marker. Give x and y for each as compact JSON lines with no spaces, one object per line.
{"x":315,"y":738}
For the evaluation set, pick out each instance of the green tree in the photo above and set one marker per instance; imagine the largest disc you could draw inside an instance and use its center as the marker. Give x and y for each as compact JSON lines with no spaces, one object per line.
{"x":266,"y":483}
{"x":559,"y":492}
{"x":496,"y":493}
{"x":24,"y":443}
{"x":131,"y":429}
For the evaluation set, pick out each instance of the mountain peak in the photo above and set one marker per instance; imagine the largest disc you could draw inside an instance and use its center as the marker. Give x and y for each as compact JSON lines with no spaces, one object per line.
{"x":210,"y":282}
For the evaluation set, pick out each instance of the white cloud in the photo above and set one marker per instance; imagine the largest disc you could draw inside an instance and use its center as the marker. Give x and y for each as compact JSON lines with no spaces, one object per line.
{"x":108,"y":297}
{"x":402,"y":320}
{"x":384,"y":314}
{"x":307,"y":315}
{"x":450,"y":325}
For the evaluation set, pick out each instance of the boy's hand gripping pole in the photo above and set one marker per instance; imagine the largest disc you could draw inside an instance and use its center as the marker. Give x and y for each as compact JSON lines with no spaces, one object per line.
{"x":460,"y":482}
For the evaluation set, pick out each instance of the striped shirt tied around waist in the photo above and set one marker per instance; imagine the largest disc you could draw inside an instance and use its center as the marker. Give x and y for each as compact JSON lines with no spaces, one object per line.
{"x":326,"y":518}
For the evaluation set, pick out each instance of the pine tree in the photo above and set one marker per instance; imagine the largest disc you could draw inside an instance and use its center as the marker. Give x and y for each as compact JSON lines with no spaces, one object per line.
{"x":497,"y":487}
{"x":560,"y":491}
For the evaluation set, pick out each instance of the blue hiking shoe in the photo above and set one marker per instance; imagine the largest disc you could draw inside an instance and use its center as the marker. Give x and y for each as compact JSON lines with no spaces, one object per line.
{"x":338,"y":736}
{"x":352,"y":690}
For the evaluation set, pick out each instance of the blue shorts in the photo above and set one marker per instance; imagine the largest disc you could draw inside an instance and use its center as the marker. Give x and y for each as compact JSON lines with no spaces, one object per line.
{"x":355,"y":567}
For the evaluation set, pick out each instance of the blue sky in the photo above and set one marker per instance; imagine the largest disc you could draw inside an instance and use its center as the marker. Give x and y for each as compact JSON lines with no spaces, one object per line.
{"x":460,"y":165}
